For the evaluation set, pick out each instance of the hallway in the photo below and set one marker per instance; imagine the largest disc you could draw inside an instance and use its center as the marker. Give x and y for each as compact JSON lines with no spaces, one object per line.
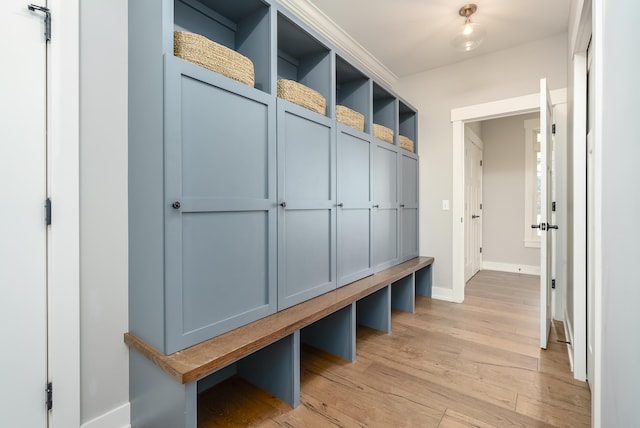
{"x":475,"y":364}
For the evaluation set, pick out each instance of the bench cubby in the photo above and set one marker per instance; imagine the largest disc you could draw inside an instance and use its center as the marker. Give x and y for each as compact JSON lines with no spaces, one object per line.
{"x":165,"y":388}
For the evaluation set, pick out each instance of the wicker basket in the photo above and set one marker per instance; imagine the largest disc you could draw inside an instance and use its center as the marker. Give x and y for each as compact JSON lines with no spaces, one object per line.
{"x":383,"y":133}
{"x":405,"y":143}
{"x":302,"y":95}
{"x":206,"y":53}
{"x":350,"y":117}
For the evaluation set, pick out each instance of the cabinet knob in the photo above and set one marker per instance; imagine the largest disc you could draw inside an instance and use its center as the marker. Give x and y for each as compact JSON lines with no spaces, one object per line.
{"x":176,"y":205}
{"x":401,"y":205}
{"x":283,"y":204}
{"x":341,"y":205}
{"x":376,"y":206}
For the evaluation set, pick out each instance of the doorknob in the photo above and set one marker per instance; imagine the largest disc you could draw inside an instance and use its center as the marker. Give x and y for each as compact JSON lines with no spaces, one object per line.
{"x":541,"y":226}
{"x":535,"y":226}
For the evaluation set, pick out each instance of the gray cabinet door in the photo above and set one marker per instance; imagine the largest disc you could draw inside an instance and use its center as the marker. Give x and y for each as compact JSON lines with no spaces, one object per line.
{"x":306,"y":198}
{"x":354,"y":161}
{"x":386,"y":238}
{"x":408,"y":205}
{"x":220,"y":204}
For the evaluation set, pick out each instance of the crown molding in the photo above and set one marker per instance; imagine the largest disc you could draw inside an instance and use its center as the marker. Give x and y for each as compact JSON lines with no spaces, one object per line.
{"x":326,"y":27}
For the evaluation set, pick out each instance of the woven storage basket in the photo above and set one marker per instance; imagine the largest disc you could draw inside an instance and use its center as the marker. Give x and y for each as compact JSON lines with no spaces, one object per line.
{"x":405,"y":142}
{"x":382,"y":133}
{"x":206,"y":53}
{"x":302,"y":95}
{"x":350,"y":117}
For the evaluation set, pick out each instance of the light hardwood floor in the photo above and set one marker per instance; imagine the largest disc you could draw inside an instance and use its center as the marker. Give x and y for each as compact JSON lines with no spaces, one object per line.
{"x":475,"y":364}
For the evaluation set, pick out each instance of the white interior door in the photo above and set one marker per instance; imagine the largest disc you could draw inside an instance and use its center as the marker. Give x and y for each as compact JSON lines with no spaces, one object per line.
{"x":546,"y":147}
{"x":23,"y":306}
{"x":473,"y":204}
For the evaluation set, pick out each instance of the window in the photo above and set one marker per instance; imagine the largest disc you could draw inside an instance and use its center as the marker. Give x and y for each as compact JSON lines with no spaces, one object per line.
{"x":532,"y":182}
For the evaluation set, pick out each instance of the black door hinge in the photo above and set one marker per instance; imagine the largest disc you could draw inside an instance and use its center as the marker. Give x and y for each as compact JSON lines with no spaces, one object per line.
{"x":47,"y":212}
{"x":480,"y":250}
{"x":49,"y":395}
{"x":480,"y":162}
{"x":553,"y":206}
{"x":553,"y":129}
{"x":480,"y":206}
{"x":553,"y":284}
{"x":47,"y":19}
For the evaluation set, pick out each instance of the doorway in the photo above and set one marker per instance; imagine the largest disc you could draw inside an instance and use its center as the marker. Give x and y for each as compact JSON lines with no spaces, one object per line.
{"x":460,"y":116}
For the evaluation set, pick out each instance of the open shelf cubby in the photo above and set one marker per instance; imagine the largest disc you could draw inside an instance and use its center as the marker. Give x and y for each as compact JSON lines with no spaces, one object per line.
{"x":407,"y":123}
{"x":304,"y":59}
{"x":353,"y":90}
{"x":384,"y":108}
{"x":241,"y":25}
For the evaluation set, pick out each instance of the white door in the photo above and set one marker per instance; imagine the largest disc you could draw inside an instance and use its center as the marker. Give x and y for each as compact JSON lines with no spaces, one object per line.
{"x":473,"y":207}
{"x":23,"y":305}
{"x":546,"y":147}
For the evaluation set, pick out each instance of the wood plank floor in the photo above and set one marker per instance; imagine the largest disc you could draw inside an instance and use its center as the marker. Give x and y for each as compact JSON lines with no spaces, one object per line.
{"x":475,"y":364}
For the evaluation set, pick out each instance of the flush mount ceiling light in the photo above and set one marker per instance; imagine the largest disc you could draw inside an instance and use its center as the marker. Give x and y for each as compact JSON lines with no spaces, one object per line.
{"x":471,"y":34}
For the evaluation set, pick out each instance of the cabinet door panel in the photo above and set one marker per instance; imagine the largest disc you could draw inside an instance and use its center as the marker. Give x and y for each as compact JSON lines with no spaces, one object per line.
{"x":308,"y":156}
{"x":386,"y":242}
{"x":386,"y":238}
{"x":306,"y":191}
{"x":409,"y":206}
{"x":225,"y":268}
{"x":354,"y":245}
{"x":225,"y":144}
{"x":354,"y":216}
{"x":220,"y":215}
{"x":386,"y":175}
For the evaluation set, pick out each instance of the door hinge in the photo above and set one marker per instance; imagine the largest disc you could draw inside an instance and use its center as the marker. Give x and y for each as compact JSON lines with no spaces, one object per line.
{"x":49,"y":395}
{"x":47,"y":19}
{"x":553,"y":129}
{"x":553,"y":206}
{"x":47,"y":212}
{"x":480,"y":162}
{"x":480,"y":206}
{"x":553,"y":284}
{"x":480,"y":250}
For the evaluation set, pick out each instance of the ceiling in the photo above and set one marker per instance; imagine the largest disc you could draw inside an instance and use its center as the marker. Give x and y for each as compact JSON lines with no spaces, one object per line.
{"x":410,"y":36}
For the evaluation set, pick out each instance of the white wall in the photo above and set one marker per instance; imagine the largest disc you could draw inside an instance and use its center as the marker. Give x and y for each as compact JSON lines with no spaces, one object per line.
{"x":617,"y":70}
{"x":103,"y":211}
{"x":506,"y":74}
{"x":503,"y":197}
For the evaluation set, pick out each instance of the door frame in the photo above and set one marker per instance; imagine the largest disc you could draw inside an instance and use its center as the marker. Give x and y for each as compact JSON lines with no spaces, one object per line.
{"x":64,"y":234}
{"x":474,"y":113}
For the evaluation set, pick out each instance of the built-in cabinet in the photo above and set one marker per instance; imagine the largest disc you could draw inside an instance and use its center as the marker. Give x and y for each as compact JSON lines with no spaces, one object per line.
{"x":241,"y":203}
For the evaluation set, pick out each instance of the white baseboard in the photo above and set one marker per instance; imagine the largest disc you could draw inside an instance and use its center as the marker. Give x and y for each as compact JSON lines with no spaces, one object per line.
{"x":440,"y":293}
{"x":513,"y":268}
{"x":568,"y":334}
{"x":120,"y":417}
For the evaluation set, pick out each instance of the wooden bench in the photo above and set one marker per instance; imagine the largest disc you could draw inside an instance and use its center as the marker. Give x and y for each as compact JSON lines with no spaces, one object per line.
{"x":266,"y":352}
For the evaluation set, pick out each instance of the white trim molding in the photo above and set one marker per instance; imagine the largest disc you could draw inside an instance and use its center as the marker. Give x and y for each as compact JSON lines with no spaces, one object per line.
{"x":116,"y":418}
{"x":64,"y":239}
{"x":326,"y":27}
{"x":510,"y":267}
{"x":445,"y":294}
